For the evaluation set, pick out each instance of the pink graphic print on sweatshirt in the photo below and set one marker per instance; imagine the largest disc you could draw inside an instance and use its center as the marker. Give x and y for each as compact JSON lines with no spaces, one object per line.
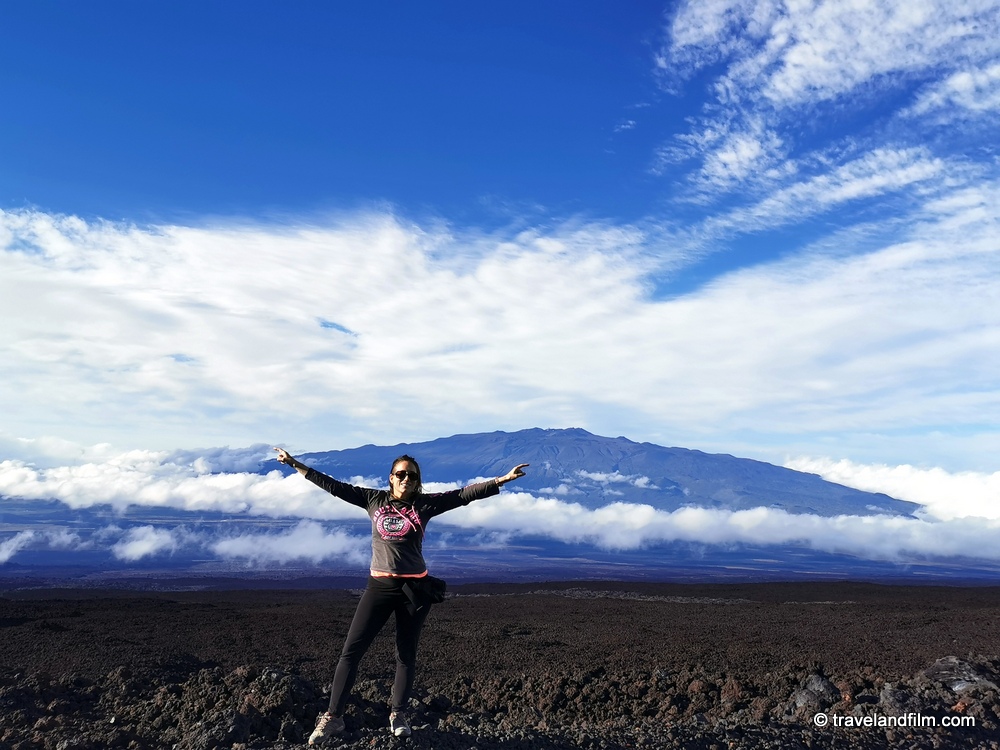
{"x":393,"y":523}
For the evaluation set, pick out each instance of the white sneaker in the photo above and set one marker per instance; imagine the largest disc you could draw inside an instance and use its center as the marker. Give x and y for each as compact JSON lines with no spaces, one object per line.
{"x":327,"y":725}
{"x":398,"y":724}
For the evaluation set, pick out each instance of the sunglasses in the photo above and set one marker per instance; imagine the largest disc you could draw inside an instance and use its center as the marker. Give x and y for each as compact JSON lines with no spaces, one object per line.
{"x":401,"y":475}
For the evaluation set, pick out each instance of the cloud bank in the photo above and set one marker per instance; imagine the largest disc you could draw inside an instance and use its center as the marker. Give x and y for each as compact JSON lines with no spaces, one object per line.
{"x":943,"y":495}
{"x":306,"y":542}
{"x":960,"y":513}
{"x":158,"y":479}
{"x":627,"y":526}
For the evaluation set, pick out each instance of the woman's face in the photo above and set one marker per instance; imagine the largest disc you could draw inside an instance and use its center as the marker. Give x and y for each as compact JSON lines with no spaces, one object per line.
{"x":403,"y":481}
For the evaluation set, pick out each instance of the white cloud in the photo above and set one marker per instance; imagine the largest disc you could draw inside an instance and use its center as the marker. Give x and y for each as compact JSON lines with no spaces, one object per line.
{"x":603,"y":477}
{"x":64,"y":539}
{"x":117,"y":326}
{"x":561,"y":490}
{"x":876,"y":174}
{"x":10,"y":547}
{"x":741,"y":155}
{"x":44,"y":538}
{"x":945,"y":495}
{"x":147,"y":541}
{"x":554,"y":329}
{"x":791,"y":53}
{"x":783,"y":75}
{"x":307,"y":541}
{"x":961,"y":93}
{"x":636,"y":480}
{"x":732,"y":152}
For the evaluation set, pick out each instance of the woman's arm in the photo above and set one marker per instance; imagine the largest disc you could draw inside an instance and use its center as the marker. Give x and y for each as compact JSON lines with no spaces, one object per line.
{"x":436,"y":503}
{"x":288,"y":459}
{"x":511,"y":475}
{"x":360,"y":496}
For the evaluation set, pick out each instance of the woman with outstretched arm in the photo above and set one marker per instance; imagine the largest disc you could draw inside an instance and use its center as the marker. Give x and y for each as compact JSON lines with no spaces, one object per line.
{"x":396,"y":584}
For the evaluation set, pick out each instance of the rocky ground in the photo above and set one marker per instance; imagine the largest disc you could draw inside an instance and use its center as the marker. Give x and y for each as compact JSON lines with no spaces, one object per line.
{"x":558,"y":666}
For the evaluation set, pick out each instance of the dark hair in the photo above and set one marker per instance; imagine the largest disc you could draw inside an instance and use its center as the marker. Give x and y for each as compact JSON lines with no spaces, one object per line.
{"x":412,"y":460}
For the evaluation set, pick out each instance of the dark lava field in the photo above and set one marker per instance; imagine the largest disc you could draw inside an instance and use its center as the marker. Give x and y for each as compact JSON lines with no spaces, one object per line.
{"x":547,"y":666}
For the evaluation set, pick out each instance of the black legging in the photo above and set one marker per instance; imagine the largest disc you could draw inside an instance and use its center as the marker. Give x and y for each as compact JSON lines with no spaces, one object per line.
{"x":382,"y":597}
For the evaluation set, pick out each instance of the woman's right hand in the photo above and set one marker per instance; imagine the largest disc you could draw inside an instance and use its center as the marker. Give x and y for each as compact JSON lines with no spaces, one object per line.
{"x":288,"y":459}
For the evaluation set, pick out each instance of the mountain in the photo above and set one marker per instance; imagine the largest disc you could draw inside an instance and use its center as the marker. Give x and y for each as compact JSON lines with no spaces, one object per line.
{"x":591,"y":470}
{"x":590,"y":507}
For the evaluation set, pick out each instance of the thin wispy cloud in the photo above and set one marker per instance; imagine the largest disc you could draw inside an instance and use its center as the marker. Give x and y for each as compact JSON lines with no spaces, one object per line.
{"x":14,"y":544}
{"x":615,"y":477}
{"x":798,"y":53}
{"x":147,"y":541}
{"x":962,"y":93}
{"x":48,"y":538}
{"x":780,"y":64}
{"x":875,"y":174}
{"x":793,"y":53}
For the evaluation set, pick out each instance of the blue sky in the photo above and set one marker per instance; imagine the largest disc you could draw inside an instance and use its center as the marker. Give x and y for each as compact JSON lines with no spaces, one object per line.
{"x":754,"y":227}
{"x":156,"y":111}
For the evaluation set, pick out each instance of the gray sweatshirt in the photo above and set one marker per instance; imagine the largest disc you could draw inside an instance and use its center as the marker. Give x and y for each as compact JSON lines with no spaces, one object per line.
{"x":397,"y":526}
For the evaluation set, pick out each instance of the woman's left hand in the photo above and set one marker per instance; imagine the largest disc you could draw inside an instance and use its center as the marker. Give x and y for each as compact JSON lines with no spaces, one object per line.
{"x":513,"y":474}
